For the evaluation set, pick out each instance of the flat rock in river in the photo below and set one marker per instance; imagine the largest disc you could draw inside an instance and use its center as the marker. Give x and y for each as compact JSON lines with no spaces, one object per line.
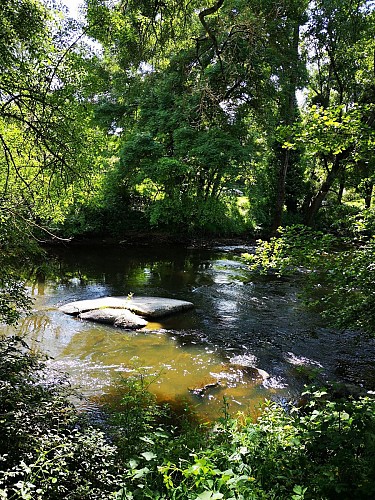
{"x":149,"y":307}
{"x":156,"y":307}
{"x":122,"y":318}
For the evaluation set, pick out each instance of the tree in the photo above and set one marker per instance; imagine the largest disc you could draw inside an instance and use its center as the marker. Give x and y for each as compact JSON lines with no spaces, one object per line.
{"x":243,"y":64}
{"x":180,"y":105}
{"x":288,"y":73}
{"x":45,"y":132}
{"x":240,"y":63}
{"x":340,"y":48}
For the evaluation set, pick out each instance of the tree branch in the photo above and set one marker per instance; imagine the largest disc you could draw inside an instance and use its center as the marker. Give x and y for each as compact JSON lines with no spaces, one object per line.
{"x":202,"y":15}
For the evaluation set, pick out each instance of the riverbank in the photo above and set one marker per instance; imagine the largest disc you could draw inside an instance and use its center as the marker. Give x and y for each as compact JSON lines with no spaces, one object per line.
{"x":151,"y":238}
{"x":49,"y":451}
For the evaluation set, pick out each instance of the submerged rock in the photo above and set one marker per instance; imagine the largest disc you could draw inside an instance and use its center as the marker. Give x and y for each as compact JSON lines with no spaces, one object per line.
{"x":205,"y":385}
{"x":117,"y":317}
{"x":230,"y":375}
{"x":148,"y":307}
{"x":253,"y":372}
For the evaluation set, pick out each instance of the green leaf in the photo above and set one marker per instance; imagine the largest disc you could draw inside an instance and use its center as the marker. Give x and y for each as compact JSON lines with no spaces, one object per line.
{"x":148,"y":455}
{"x":209,"y":495}
{"x":133,"y":464}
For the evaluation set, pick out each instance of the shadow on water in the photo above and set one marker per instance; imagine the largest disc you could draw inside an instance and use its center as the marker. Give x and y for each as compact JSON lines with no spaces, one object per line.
{"x":246,"y":340}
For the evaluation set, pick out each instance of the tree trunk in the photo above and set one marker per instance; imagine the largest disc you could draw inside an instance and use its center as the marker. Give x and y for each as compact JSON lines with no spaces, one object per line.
{"x":369,"y":186}
{"x":288,"y":113}
{"x":280,"y":193}
{"x":316,"y":201}
{"x":341,"y":188}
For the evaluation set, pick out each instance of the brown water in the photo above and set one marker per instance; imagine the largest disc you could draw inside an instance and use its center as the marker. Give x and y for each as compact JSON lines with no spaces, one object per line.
{"x":199,"y":356}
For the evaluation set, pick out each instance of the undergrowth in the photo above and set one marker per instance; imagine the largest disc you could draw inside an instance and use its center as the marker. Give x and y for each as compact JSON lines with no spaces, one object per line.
{"x":323,"y":449}
{"x":338,"y":278}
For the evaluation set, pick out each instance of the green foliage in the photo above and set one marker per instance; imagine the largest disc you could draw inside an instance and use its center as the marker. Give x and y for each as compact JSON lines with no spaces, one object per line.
{"x":329,"y":131}
{"x":149,"y":434}
{"x":13,"y":298}
{"x":322,"y":449}
{"x":16,"y":245}
{"x":362,"y":224}
{"x":213,"y":216}
{"x":297,"y":246}
{"x":192,"y":91}
{"x":176,"y":159}
{"x":183,"y":117}
{"x":47,"y":450}
{"x":47,"y":141}
{"x":137,"y":413}
{"x":338,"y":278}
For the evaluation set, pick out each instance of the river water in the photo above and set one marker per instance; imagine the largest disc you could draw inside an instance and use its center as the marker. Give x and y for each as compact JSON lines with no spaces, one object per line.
{"x":247,"y":339}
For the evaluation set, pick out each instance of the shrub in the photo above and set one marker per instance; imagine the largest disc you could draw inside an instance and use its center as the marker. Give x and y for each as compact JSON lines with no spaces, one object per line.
{"x":194,"y":215}
{"x":47,"y":450}
{"x":323,"y":449}
{"x":341,"y":276}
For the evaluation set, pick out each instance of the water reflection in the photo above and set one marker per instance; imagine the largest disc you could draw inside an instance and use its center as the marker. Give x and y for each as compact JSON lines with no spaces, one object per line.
{"x":200,"y":355}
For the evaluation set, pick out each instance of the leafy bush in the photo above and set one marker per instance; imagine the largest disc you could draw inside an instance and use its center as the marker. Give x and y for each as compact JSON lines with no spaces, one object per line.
{"x":323,"y":449}
{"x":16,"y":246}
{"x":341,"y":277}
{"x":47,"y":450}
{"x":340,"y":219}
{"x":148,"y":435}
{"x":194,"y":215}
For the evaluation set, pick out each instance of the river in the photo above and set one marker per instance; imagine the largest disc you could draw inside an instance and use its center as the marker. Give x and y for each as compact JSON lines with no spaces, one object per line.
{"x":247,"y":338}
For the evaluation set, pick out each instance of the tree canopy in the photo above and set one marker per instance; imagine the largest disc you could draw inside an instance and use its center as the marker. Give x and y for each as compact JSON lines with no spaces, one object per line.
{"x":198,"y":118}
{"x":185,"y":105}
{"x":187,"y":116}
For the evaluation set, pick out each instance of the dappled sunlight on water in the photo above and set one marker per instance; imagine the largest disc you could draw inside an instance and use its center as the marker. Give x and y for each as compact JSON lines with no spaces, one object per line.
{"x":245,"y":340}
{"x":97,"y":357}
{"x":194,"y":373}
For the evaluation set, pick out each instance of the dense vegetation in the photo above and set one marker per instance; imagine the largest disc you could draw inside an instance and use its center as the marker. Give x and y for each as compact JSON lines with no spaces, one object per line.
{"x":321,"y":449}
{"x":183,"y":117}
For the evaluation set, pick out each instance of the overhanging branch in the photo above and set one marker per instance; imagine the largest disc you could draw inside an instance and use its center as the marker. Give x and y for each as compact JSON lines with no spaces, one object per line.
{"x":202,"y":18}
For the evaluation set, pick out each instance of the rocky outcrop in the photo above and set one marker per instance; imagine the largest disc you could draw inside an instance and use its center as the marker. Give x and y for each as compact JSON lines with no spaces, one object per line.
{"x":116,"y":317}
{"x":125,"y":312}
